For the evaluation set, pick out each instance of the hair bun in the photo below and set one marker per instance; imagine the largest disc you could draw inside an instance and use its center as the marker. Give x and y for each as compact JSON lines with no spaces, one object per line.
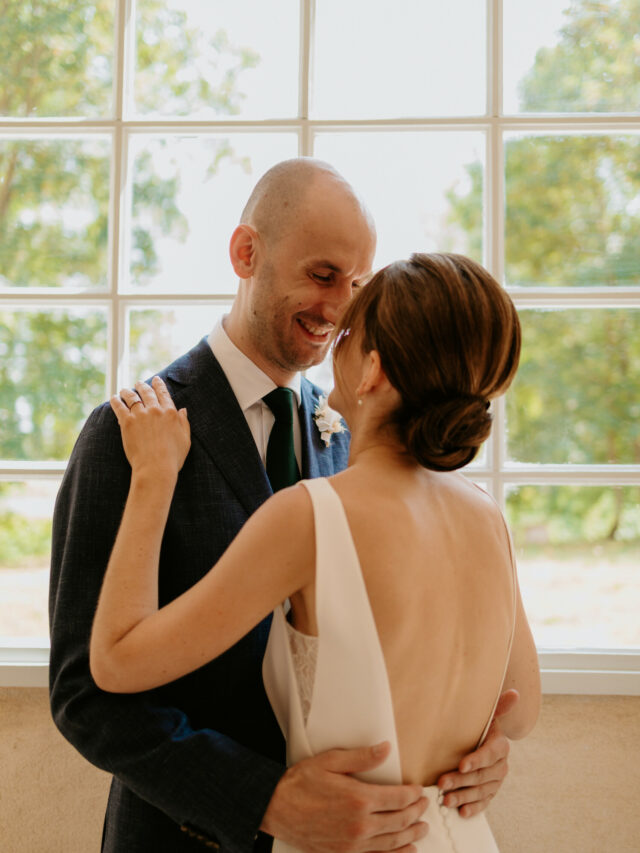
{"x":447,"y":434}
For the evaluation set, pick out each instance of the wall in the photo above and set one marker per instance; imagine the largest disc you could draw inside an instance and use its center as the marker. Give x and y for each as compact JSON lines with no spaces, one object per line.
{"x":574,"y":784}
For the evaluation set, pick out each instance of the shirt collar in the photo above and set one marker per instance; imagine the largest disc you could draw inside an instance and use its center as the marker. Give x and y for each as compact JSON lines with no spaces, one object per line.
{"x":248,"y":382}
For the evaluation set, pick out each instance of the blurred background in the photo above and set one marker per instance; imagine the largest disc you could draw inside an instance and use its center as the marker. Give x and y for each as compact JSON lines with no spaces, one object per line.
{"x":509,"y":131}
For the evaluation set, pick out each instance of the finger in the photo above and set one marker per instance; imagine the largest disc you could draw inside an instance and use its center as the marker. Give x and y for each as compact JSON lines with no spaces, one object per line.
{"x":408,"y":848}
{"x":398,"y":840}
{"x":471,"y":809}
{"x":147,"y":394}
{"x":383,"y":823}
{"x":462,"y":783}
{"x":120,"y":410}
{"x":495,"y":748}
{"x":355,"y":760}
{"x":382,"y":797}
{"x":471,"y":801}
{"x":129,"y":397}
{"x":476,"y":794}
{"x":182,"y":414}
{"x":162,"y":393}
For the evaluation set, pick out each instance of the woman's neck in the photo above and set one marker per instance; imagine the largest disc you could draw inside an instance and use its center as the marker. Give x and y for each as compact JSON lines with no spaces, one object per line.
{"x":379,"y":451}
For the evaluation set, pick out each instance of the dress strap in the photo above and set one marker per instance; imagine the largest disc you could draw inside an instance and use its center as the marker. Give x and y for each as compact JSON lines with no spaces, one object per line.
{"x":351,"y":675}
{"x":513,"y":630}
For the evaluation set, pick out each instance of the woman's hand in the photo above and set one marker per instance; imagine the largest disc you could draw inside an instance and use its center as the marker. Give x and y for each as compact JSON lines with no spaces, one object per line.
{"x":156,"y":437}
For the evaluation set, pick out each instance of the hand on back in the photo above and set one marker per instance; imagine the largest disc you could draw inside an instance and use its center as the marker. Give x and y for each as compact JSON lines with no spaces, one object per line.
{"x":319,"y":806}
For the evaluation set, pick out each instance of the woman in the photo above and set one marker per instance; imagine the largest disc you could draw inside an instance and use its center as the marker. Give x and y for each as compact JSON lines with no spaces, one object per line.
{"x":406,"y":622}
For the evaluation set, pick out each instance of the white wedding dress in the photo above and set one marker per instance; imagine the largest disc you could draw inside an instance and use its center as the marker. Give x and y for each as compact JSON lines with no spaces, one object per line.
{"x":333,"y":690}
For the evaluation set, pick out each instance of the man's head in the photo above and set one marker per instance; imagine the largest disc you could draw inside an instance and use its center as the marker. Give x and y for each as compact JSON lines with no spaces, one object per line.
{"x":304,"y":243}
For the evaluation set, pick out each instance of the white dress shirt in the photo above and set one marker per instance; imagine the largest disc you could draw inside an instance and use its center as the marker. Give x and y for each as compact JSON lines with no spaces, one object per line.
{"x":250,"y":384}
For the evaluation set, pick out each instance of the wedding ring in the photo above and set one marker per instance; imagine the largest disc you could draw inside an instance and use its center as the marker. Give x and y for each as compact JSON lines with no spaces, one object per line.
{"x":135,"y":402}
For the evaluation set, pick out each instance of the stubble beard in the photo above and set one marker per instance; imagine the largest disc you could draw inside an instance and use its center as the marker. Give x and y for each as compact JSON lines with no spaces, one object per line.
{"x":272,"y":340}
{"x":273,"y":333}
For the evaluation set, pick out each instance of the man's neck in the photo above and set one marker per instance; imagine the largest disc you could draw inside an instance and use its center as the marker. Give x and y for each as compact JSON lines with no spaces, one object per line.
{"x":242,"y":341}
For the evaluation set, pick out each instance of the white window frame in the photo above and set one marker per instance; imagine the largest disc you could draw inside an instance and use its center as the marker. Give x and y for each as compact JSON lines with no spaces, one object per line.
{"x":585,"y":671}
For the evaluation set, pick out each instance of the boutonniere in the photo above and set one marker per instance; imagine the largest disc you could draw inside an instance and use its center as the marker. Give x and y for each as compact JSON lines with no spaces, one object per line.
{"x":327,"y":420}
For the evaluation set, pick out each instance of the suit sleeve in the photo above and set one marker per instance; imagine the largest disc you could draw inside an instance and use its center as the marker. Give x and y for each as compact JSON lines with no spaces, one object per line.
{"x":200,"y":778}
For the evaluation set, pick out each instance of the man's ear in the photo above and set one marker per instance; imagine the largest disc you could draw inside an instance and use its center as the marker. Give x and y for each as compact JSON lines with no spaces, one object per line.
{"x":242,"y":250}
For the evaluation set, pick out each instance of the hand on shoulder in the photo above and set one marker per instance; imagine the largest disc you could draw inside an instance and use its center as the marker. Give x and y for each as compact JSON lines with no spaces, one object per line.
{"x":155,"y":435}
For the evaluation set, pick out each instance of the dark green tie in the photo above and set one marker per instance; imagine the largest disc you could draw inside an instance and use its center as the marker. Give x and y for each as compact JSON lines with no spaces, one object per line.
{"x":282,"y":467}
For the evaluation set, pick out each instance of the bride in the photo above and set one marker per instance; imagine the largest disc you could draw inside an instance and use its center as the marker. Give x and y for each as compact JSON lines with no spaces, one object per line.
{"x":406,"y":622}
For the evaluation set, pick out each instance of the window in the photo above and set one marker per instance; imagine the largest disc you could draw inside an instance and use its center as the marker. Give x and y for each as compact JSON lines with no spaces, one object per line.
{"x":130,"y":136}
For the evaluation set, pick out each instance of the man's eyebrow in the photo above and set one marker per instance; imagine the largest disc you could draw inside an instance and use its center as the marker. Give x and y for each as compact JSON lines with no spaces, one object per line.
{"x":328,"y":264}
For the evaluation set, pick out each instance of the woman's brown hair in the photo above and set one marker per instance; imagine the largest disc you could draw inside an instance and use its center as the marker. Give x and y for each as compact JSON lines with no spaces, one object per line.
{"x":448,"y":336}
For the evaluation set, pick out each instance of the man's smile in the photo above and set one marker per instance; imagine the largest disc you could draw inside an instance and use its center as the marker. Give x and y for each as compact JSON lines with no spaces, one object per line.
{"x":315,"y":332}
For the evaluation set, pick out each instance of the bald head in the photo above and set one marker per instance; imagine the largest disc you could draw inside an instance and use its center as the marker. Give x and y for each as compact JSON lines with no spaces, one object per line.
{"x":280,"y":196}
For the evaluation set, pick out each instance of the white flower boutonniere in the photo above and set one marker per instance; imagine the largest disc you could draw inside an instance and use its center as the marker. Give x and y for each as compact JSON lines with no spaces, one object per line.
{"x":327,"y":420}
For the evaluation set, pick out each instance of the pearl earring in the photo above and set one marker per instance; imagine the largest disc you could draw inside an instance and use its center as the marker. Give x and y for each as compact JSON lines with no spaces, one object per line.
{"x":359,"y":401}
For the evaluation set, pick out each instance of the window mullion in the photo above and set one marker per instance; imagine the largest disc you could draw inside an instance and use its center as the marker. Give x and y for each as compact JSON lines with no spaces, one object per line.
{"x":307,"y":21}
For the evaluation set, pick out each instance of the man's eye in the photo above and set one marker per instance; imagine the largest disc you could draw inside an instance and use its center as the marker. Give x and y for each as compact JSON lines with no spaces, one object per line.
{"x":355,"y":285}
{"x":325,"y":279}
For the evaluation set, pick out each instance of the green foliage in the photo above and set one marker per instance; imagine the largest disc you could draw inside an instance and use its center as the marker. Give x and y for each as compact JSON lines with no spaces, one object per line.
{"x":58,"y":60}
{"x":574,"y":515}
{"x":572,"y":217}
{"x":575,"y":398}
{"x":52,"y":371}
{"x":178,"y":72}
{"x":24,"y":541}
{"x":54,"y":194}
{"x":466,"y":210}
{"x":56,"y":57}
{"x":53,"y":212}
{"x":149,"y":333}
{"x":596,"y":65}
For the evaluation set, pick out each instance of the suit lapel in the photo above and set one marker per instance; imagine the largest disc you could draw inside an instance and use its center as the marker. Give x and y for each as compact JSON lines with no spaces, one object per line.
{"x":218,"y":423}
{"x":317,"y":460}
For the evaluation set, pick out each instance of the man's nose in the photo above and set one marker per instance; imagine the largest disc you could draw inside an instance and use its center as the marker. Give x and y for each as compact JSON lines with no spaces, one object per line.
{"x":337,"y":299}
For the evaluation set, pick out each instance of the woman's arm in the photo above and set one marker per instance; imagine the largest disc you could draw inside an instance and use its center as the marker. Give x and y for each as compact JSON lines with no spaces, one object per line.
{"x":523,"y":675}
{"x":135,"y":646}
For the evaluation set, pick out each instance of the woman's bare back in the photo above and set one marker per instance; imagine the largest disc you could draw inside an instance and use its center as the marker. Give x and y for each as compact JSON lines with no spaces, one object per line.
{"x":435,"y":557}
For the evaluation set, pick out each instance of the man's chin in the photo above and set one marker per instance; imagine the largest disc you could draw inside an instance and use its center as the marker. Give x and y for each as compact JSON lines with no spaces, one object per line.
{"x":311,"y":360}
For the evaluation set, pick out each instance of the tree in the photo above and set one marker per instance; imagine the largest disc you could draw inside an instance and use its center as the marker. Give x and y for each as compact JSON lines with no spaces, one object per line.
{"x":572,"y":219}
{"x":58,"y":61}
{"x":54,"y":192}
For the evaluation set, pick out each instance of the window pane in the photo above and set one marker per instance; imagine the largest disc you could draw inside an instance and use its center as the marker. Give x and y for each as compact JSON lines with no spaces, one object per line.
{"x":157,"y":336}
{"x":211,"y":58}
{"x":578,"y":552}
{"x":572,"y":209}
{"x":563,"y":56}
{"x":576,"y":396}
{"x":424,"y":189}
{"x":26,"y":510}
{"x":54,"y":204}
{"x":57,"y":58}
{"x":406,"y":58}
{"x":188,"y":194}
{"x":52,"y":374}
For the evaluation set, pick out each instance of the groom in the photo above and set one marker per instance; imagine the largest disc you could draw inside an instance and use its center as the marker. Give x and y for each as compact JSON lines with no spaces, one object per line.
{"x":200,"y":763}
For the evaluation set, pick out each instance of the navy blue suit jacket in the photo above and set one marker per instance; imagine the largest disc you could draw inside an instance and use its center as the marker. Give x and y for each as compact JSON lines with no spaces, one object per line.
{"x":200,"y":756}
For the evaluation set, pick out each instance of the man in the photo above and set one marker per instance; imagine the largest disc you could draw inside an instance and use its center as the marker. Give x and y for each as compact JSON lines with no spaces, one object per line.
{"x":201,"y":760}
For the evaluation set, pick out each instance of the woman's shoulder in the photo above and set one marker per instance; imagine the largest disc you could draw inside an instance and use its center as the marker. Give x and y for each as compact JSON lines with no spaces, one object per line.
{"x":464,"y":488}
{"x":292,"y":505}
